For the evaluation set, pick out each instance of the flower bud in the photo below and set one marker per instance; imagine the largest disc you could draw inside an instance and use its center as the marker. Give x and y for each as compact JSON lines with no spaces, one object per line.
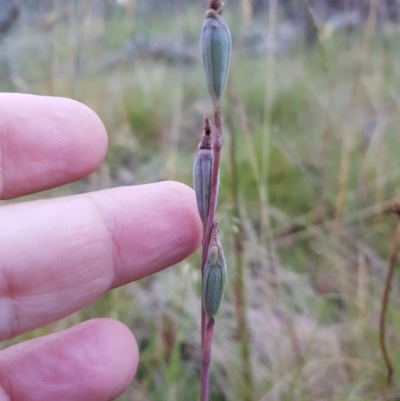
{"x":215,"y":47}
{"x":214,"y":279}
{"x":202,"y":170}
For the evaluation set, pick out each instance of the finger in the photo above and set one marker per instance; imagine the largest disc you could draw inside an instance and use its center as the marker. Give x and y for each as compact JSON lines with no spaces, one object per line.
{"x":59,"y":255}
{"x":46,"y":142}
{"x":95,"y":360}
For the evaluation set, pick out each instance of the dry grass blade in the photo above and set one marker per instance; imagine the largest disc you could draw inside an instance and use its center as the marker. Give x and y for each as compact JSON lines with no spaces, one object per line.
{"x":385,"y":301}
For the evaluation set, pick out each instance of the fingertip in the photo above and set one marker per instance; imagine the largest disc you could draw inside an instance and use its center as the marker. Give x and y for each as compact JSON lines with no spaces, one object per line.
{"x":120,"y":356}
{"x":53,"y":142}
{"x":191,"y":232}
{"x":95,"y":139}
{"x":159,"y":227}
{"x":125,"y":357}
{"x":86,"y":146}
{"x":95,"y":360}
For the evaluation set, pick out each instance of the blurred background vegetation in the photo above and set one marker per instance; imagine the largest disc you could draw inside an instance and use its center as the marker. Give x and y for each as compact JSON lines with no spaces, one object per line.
{"x":310,"y":164}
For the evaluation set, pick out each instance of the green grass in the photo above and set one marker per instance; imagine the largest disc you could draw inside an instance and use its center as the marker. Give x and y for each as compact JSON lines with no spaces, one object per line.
{"x":330,"y":276}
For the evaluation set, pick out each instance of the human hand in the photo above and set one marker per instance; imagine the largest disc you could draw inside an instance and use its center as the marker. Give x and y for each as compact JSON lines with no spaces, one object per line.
{"x":59,"y":255}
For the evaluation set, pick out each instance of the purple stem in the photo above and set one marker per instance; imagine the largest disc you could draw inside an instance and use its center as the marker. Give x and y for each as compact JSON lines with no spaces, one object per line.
{"x":206,"y":358}
{"x":217,"y":144}
{"x":206,"y":332}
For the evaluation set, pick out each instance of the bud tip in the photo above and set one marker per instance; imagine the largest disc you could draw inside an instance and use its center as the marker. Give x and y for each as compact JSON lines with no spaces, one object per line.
{"x":216,"y":5}
{"x":206,"y":141}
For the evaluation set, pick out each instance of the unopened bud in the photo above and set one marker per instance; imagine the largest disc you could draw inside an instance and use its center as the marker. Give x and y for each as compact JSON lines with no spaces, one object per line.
{"x":215,"y":271}
{"x":215,"y":47}
{"x":202,"y":170}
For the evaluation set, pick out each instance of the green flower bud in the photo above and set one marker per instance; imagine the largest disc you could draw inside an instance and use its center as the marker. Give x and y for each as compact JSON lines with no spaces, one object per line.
{"x":214,"y":279}
{"x":215,"y":46}
{"x":202,"y":181}
{"x":202,"y":170}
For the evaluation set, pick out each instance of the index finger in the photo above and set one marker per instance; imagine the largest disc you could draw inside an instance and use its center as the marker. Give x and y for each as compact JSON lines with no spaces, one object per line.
{"x":59,"y":255}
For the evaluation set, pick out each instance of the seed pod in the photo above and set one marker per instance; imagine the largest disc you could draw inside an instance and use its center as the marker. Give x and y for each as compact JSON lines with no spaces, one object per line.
{"x":215,"y":47}
{"x":214,"y":279}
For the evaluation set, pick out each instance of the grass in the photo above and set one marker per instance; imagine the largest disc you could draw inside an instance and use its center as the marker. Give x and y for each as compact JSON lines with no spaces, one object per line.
{"x":314,"y":325}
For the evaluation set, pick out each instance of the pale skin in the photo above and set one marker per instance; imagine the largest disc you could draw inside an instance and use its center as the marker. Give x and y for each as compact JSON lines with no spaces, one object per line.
{"x":60,"y":255}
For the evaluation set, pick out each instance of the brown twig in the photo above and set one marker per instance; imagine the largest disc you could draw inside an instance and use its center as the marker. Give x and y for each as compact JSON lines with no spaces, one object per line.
{"x":385,"y":300}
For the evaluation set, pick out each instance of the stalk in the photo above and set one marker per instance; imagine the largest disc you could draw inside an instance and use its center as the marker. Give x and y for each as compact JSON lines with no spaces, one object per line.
{"x":215,"y":46}
{"x":207,"y":324}
{"x":206,"y":359}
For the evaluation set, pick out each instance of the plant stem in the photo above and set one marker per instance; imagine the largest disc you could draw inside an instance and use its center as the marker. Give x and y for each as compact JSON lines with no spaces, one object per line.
{"x":217,"y":145}
{"x":263,"y":186}
{"x":206,"y":358}
{"x":385,"y":301}
{"x":206,"y":330}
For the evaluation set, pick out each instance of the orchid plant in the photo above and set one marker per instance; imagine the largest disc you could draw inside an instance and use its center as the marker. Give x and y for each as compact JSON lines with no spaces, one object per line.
{"x":215,"y":45}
